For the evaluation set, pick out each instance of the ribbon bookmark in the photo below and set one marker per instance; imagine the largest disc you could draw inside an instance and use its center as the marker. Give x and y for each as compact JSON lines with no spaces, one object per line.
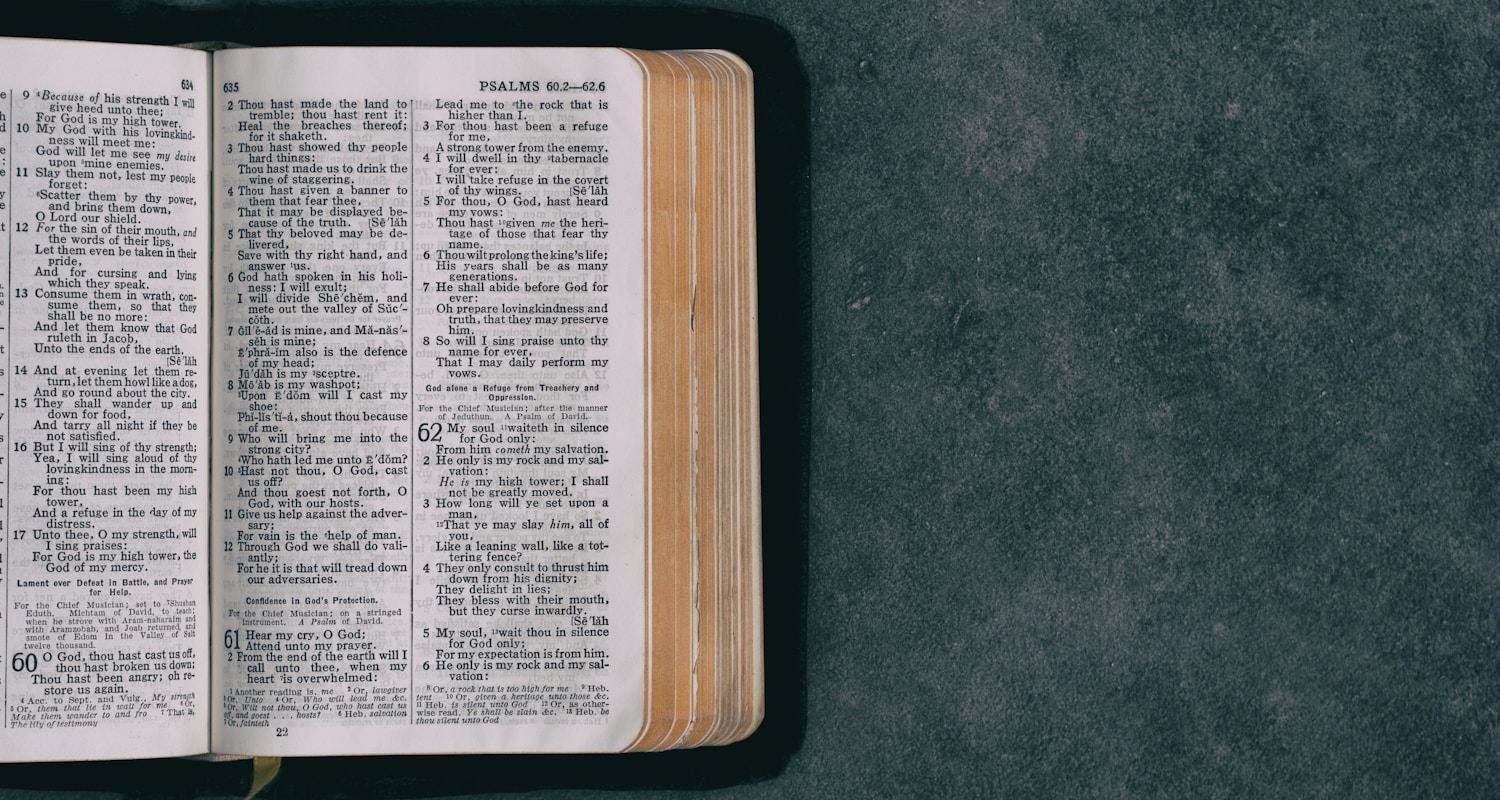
{"x":265,"y":772}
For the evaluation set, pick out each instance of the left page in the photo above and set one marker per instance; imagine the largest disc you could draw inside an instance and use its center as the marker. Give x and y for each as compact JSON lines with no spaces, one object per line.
{"x":104,"y":174}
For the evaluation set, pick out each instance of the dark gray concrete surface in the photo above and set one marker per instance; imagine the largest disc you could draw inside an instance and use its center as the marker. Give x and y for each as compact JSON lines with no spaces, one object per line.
{"x":1131,"y":403}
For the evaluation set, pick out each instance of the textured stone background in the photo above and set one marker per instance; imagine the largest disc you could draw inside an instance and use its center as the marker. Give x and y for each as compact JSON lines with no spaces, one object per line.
{"x":1131,"y":399}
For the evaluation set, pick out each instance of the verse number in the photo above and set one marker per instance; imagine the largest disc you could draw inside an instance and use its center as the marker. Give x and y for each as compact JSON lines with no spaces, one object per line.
{"x":27,"y":662}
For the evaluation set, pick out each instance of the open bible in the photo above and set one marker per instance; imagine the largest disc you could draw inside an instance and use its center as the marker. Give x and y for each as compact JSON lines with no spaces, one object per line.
{"x":376,"y":401}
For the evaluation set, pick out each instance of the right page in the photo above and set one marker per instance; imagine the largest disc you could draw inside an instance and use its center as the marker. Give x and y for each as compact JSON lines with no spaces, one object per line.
{"x":429,"y":426}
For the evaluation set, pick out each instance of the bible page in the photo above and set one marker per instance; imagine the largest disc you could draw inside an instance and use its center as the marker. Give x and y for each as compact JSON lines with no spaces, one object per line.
{"x":429,"y":436}
{"x":104,"y":412}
